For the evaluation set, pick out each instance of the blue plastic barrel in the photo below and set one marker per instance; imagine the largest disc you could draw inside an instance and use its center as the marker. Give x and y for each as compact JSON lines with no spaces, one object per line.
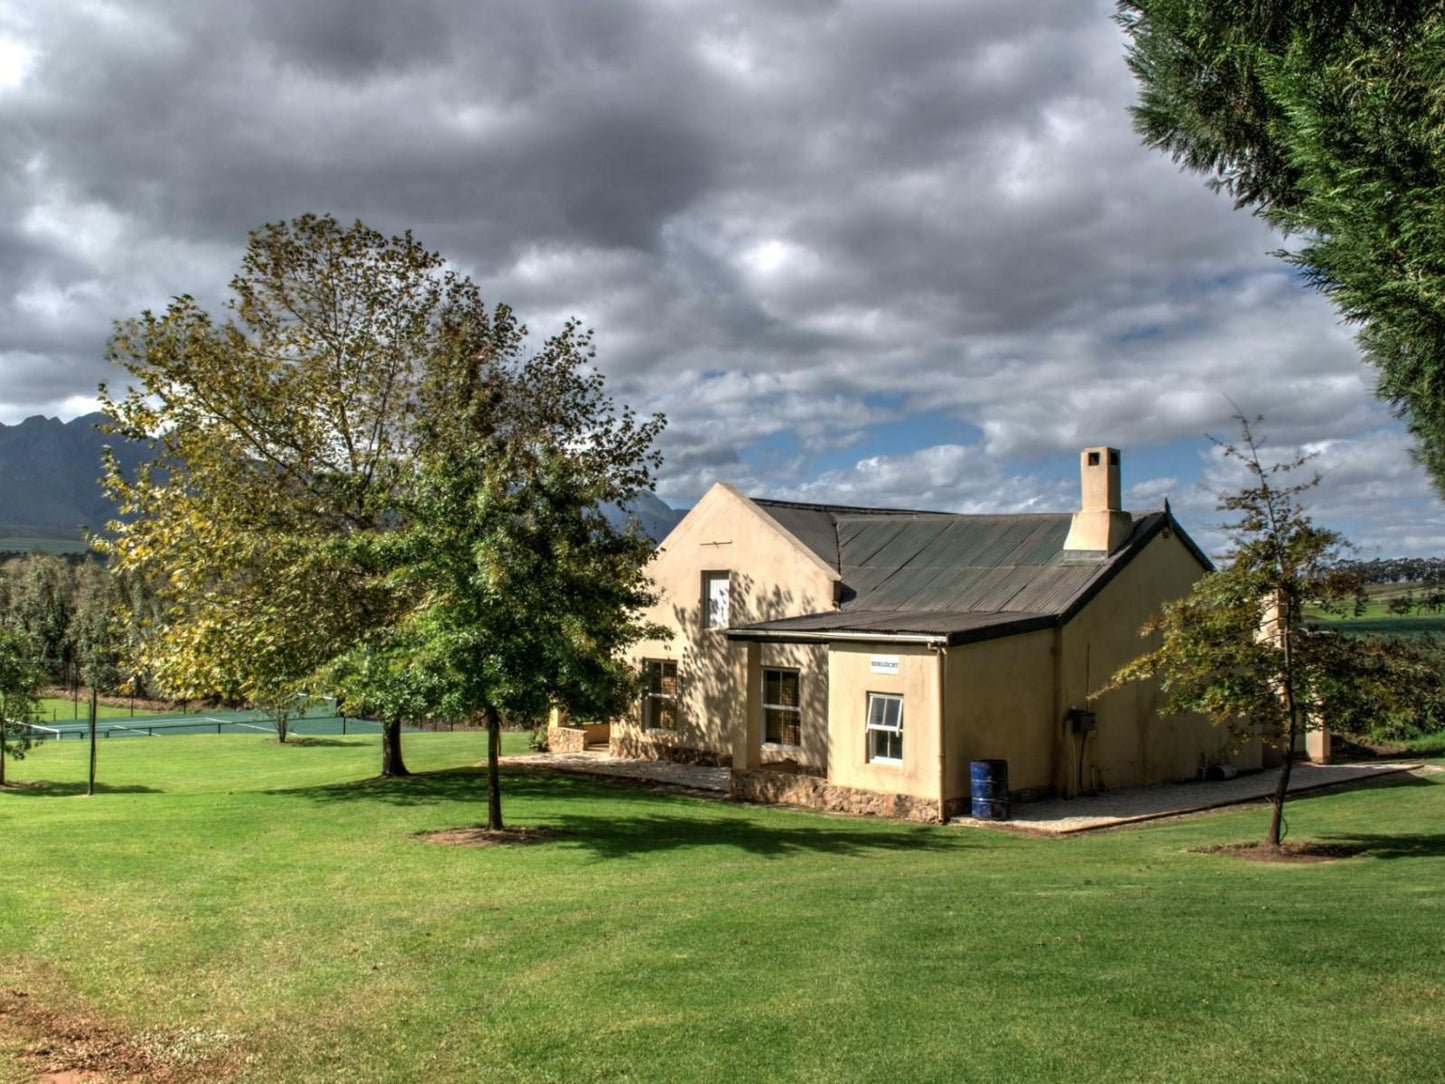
{"x":988,"y":789}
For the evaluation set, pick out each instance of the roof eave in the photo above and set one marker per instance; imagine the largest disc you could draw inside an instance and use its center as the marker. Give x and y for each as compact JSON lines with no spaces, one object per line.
{"x":816,"y":636}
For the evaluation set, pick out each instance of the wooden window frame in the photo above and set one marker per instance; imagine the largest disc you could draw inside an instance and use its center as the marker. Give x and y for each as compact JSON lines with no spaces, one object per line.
{"x":652,"y":698}
{"x":795,"y":709}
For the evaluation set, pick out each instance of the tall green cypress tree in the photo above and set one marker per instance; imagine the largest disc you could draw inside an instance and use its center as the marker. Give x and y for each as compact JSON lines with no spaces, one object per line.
{"x":1327,"y":120}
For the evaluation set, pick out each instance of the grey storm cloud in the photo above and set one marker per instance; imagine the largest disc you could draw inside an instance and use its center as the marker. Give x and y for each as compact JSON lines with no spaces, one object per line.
{"x":805,"y":219}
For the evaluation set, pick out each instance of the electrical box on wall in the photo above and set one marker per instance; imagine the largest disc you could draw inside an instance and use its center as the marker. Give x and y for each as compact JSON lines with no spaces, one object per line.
{"x":1082,"y":721}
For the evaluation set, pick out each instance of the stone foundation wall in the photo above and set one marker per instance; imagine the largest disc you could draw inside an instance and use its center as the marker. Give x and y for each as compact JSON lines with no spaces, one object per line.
{"x":643,"y":748}
{"x":817,"y":793}
{"x":566,"y":739}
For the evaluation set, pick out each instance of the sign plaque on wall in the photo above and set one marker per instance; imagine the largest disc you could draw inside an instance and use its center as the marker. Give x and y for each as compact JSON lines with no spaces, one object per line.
{"x":883,"y":664}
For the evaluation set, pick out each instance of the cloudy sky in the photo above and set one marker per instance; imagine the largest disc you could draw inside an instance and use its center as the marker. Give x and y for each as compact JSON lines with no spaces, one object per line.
{"x":907,"y":252}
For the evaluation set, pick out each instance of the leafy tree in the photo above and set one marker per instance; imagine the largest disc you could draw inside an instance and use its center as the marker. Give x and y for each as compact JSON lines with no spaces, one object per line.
{"x":363,"y":473}
{"x":41,"y":602}
{"x":20,"y":678}
{"x":531,"y":594}
{"x":387,"y":676}
{"x":279,"y":435}
{"x":1328,"y":120}
{"x":1240,"y":649}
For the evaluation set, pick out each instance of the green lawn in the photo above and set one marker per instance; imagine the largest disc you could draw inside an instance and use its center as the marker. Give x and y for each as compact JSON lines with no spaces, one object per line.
{"x":226,"y":894}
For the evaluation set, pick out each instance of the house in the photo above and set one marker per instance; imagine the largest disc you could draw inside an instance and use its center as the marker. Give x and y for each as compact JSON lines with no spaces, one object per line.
{"x":861,"y":658}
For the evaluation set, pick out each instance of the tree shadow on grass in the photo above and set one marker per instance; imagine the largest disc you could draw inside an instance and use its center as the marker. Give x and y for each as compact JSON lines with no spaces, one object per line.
{"x":421,"y":788}
{"x":470,"y":785}
{"x":305,"y":742}
{"x":631,"y":836}
{"x":45,"y":789}
{"x":1396,"y":845}
{"x":655,"y":827}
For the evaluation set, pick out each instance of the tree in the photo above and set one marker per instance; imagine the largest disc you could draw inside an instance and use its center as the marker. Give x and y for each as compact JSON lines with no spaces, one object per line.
{"x":20,"y":678}
{"x":1240,"y":648}
{"x":41,"y":603}
{"x":279,"y":435}
{"x":531,"y":596}
{"x":387,"y":676}
{"x":363,"y":473}
{"x":1328,"y":120}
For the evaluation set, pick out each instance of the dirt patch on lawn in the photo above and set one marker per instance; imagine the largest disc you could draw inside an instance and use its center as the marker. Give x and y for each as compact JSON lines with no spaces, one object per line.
{"x":485,"y":837}
{"x":78,"y":1048}
{"x":1302,"y":851}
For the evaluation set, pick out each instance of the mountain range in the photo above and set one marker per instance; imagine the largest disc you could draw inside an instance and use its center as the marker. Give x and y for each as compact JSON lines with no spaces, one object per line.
{"x":50,"y":483}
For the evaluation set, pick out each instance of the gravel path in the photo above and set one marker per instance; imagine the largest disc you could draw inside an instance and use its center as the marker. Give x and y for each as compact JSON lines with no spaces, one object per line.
{"x":1052,"y":817}
{"x":1064,"y":816}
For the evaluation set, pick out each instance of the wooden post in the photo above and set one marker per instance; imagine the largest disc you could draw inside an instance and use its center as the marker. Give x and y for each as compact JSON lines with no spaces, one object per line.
{"x":90,"y":784}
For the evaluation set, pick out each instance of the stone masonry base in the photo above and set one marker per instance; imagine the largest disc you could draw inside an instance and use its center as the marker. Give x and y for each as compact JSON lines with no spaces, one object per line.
{"x":643,"y":748}
{"x":566,"y":739}
{"x":817,"y":793}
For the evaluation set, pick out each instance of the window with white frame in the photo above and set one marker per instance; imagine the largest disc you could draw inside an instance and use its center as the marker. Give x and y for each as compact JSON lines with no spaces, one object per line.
{"x":782,"y":712}
{"x":659,"y":697}
{"x":715,"y":599}
{"x":885,"y":728}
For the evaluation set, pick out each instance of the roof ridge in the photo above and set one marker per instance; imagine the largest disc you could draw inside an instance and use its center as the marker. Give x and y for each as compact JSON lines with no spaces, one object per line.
{"x":771,"y":502}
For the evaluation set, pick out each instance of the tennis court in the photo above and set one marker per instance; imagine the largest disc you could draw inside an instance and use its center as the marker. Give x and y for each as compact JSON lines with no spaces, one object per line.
{"x":208,"y":722}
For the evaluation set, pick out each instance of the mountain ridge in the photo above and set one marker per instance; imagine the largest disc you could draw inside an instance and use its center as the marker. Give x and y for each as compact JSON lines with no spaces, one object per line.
{"x":50,"y":481}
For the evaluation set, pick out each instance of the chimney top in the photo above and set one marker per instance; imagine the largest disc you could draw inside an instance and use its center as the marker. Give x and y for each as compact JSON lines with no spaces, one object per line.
{"x":1100,"y":526}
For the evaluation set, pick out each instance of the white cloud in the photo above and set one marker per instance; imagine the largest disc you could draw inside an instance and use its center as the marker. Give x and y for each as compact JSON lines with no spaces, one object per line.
{"x":794,"y":228}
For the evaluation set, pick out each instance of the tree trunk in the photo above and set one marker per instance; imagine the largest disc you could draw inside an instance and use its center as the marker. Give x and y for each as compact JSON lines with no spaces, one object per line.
{"x":494,"y":775}
{"x":392,"y":765}
{"x":1281,"y":788}
{"x":1276,"y":814}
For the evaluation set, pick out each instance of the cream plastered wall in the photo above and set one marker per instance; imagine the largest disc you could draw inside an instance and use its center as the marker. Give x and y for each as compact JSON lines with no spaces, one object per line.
{"x":1133,"y":743}
{"x":850,"y":680}
{"x":771,"y":575}
{"x":1001,"y":706}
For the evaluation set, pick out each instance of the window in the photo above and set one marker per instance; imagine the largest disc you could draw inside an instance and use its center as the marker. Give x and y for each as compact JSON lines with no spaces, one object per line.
{"x":782,"y":717}
{"x":715,"y":600}
{"x":659,"y":697}
{"x":885,"y":728}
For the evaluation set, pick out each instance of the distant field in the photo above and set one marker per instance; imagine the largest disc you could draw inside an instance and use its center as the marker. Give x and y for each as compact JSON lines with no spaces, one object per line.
{"x":1389,"y":626}
{"x":1376,"y":618}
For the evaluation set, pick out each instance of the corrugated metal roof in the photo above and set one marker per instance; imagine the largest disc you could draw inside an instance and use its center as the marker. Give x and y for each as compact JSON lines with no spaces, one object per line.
{"x":941,"y":626}
{"x":937,"y":572}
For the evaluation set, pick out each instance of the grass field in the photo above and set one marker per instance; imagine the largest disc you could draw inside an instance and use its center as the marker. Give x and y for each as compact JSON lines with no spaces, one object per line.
{"x":274,"y":906}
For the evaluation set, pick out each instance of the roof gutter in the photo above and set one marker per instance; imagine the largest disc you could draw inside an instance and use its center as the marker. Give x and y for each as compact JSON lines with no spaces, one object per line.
{"x":823,"y":636}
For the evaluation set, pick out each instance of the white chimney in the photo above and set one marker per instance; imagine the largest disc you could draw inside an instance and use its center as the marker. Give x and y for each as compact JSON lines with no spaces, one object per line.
{"x":1100,"y":526}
